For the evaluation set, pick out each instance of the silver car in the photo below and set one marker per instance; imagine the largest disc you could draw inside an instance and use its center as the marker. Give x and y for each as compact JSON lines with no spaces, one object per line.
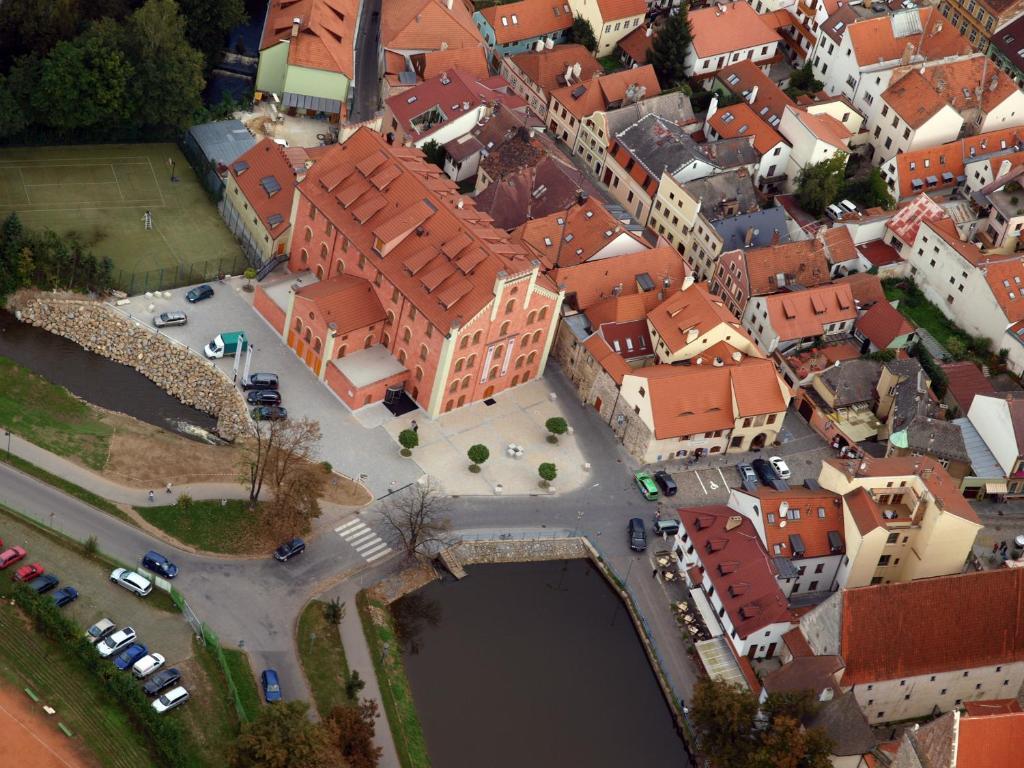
{"x":131,"y":581}
{"x":173,"y":698}
{"x":116,"y":642}
{"x":165,"y":319}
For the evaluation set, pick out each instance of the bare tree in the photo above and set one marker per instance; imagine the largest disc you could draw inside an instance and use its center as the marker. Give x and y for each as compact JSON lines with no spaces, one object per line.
{"x":418,"y":516}
{"x":274,"y":449}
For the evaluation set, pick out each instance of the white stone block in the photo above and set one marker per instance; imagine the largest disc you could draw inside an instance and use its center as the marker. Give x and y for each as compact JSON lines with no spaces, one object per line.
{"x":586,"y":466}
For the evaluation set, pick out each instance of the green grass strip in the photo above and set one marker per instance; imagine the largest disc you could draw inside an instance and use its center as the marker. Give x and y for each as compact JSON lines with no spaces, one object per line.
{"x":323,"y":658}
{"x":394,"y":685}
{"x":241,"y":673}
{"x":208,"y":525}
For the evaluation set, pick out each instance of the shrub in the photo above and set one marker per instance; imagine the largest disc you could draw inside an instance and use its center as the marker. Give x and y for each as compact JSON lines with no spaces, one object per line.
{"x":409,"y":440}
{"x":184,"y":503}
{"x":354,"y":685}
{"x":334,"y":611}
{"x":91,"y":546}
{"x":548,"y":472}
{"x":477,"y":454}
{"x":556,"y":425}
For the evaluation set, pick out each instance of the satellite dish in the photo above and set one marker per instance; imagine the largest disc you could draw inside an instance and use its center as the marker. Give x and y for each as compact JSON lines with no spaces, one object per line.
{"x":782,"y":523}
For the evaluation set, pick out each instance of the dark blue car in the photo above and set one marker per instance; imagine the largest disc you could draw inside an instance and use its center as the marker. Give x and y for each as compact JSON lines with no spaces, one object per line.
{"x":157,"y":563}
{"x":271,"y":686}
{"x":127,"y":658}
{"x":199,"y":293}
{"x":64,"y":596}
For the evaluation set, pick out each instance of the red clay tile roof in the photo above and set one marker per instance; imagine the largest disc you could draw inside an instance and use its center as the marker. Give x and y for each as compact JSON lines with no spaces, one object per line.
{"x":637,"y":44}
{"x":867,"y":288}
{"x":622,"y":308}
{"x":797,"y":643}
{"x":607,"y":358}
{"x":908,"y":219}
{"x":472,"y":61}
{"x":839,"y":245}
{"x":267,"y":160}
{"x":595,"y":280}
{"x":716,"y":33}
{"x":604,"y":90}
{"x":544,"y":68}
{"x":874,"y":41}
{"x":821,"y":512}
{"x":943,"y":624}
{"x":512,"y":22}
{"x":881,"y":324}
{"x":989,"y":742}
{"x":964,"y":381}
{"x":548,"y":183}
{"x":621,"y":9}
{"x":740,"y":120}
{"x":742,"y":77}
{"x":946,"y":229}
{"x":1006,"y":281}
{"x":879,"y":254}
{"x":347,"y":301}
{"x":802,"y":261}
{"x":818,"y":359}
{"x":427,"y":25}
{"x":799,"y":314}
{"x":914,"y":98}
{"x":951,"y":158}
{"x":824,"y":127}
{"x":992,"y":707}
{"x":739,"y":568}
{"x":326,"y":32}
{"x":697,"y":309}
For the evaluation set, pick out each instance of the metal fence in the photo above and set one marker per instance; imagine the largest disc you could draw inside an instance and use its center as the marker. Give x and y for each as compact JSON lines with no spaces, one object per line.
{"x":541,"y":534}
{"x":132,"y":282}
{"x":213,"y":644}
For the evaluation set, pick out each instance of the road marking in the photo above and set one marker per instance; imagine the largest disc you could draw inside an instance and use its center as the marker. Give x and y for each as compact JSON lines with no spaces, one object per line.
{"x":365,"y":544}
{"x":724,"y":482}
{"x":695,"y":472}
{"x":379,"y":547}
{"x":363,"y":540}
{"x":364,"y":536}
{"x":380,"y":554}
{"x":349,"y":524}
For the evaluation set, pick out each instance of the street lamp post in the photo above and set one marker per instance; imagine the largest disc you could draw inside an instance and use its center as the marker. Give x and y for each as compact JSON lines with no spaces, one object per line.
{"x":7,"y":434}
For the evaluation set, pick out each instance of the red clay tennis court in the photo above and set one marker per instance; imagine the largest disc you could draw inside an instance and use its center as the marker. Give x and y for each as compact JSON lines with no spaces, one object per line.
{"x":28,"y":736}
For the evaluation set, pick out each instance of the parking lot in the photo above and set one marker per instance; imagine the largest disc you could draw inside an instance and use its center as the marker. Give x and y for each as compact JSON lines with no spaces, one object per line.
{"x":350,"y":447}
{"x":163,"y":631}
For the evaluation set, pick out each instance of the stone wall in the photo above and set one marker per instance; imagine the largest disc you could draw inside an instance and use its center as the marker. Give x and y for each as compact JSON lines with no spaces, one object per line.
{"x":520,"y":551}
{"x":98,"y":328}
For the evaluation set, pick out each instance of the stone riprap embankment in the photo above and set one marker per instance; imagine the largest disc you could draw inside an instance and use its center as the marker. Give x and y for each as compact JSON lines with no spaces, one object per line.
{"x":98,"y":328}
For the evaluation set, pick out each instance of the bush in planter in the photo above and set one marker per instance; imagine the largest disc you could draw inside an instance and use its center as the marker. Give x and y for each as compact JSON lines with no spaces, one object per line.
{"x":477,"y":454}
{"x":249,"y":275}
{"x":408,"y":440}
{"x":556,"y":425}
{"x":548,"y":472}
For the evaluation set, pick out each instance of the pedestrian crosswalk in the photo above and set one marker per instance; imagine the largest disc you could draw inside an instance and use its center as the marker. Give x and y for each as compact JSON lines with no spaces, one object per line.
{"x":361,"y":537}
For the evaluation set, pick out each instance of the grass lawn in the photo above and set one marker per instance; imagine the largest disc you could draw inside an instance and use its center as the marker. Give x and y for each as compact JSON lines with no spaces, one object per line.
{"x":323,"y":658}
{"x":394,"y":685}
{"x":51,"y":417}
{"x":245,"y":680}
{"x":610,"y":63}
{"x":232,"y":528}
{"x":101,"y":192}
{"x":926,"y":315}
{"x":210,"y":713}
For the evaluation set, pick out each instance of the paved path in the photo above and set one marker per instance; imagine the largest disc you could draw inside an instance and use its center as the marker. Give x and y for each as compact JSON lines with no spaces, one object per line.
{"x":367,"y":76}
{"x":938,"y":352}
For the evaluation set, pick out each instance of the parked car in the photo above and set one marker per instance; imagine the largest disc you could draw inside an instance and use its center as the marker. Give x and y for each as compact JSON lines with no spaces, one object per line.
{"x":263,"y":397}
{"x":781,"y":467}
{"x":131,"y":581}
{"x":64,"y":595}
{"x":746,"y":473}
{"x":43,"y":584}
{"x":666,"y":482}
{"x":166,"y":319}
{"x":173,"y":698}
{"x":100,"y":631}
{"x":637,"y":535}
{"x":648,"y":488}
{"x":290,"y":549}
{"x":669,"y":527}
{"x":768,"y":475}
{"x":260,"y":381}
{"x":28,"y":572}
{"x":147,"y":665}
{"x":199,"y":293}
{"x":11,"y":556}
{"x":161,"y":680}
{"x":115,"y":642}
{"x":269,"y":413}
{"x":157,"y":563}
{"x":126,"y":658}
{"x":271,"y":686}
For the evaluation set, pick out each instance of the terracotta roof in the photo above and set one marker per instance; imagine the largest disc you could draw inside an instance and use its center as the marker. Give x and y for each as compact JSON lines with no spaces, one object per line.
{"x":471,"y":61}
{"x":797,"y":644}
{"x":595,"y":280}
{"x":622,"y":308}
{"x":802,"y":262}
{"x":987,"y":742}
{"x":946,"y":229}
{"x":427,"y":25}
{"x":943,"y":624}
{"x":819,"y":359}
{"x":918,"y":96}
{"x":739,"y":568}
{"x":688,"y":400}
{"x":544,"y":68}
{"x":879,"y":254}
{"x":739,"y":27}
{"x":874,"y":39}
{"x":265,"y":175}
{"x":839,"y":245}
{"x":637,"y":44}
{"x":806,"y":673}
{"x":824,"y":127}
{"x":545,"y":185}
{"x":867,"y":288}
{"x":881,"y":324}
{"x":743,"y":77}
{"x":621,"y":9}
{"x":602,"y":91}
{"x":991,"y":707}
{"x":1005,"y":279}
{"x":821,"y":512}
{"x":527,"y":18}
{"x":607,"y":358}
{"x":908,"y":219}
{"x":347,"y":301}
{"x":799,"y":314}
{"x":695,"y":309}
{"x":591,"y":226}
{"x":326,"y":32}
{"x":964,"y":380}
{"x":914,"y":98}
{"x":378,"y":194}
{"x":740,"y":120}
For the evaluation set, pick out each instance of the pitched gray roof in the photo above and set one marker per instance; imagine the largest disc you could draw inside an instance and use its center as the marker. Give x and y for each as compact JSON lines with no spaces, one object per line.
{"x":853,"y":381}
{"x":730,"y":186}
{"x":660,"y":145}
{"x":844,"y":722}
{"x":673,"y":106}
{"x":764,"y":224}
{"x":933,"y":437}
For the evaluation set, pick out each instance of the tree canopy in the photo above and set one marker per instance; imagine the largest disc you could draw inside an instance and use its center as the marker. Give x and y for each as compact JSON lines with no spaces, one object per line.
{"x":282,"y":736}
{"x":582,"y":33}
{"x":821,"y":184}
{"x":871,"y":191}
{"x":669,"y":49}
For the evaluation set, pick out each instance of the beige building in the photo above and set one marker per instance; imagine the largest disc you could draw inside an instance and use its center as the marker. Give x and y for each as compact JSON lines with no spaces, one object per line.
{"x":612,"y":20}
{"x":904,"y":519}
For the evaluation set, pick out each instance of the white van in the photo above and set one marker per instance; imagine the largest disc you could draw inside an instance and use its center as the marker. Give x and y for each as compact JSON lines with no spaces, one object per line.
{"x":848,"y":206}
{"x":835,"y":212}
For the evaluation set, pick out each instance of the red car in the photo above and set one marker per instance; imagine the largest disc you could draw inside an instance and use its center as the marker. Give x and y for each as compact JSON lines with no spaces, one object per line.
{"x":29,"y":572}
{"x":11,"y":556}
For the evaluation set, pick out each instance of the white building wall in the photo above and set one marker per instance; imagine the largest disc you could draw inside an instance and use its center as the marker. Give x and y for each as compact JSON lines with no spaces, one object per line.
{"x":990,"y":415}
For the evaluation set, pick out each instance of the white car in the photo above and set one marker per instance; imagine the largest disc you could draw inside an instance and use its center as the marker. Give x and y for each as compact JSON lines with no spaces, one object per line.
{"x":131,"y":581}
{"x":780,"y":467}
{"x":116,"y":642}
{"x":173,"y":698}
{"x":147,"y":665}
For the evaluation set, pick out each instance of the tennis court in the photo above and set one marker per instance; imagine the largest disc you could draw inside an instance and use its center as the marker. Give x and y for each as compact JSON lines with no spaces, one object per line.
{"x":103,"y":193}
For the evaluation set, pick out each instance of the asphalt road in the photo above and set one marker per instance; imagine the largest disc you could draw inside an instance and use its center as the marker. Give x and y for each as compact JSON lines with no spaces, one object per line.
{"x":367,"y":75}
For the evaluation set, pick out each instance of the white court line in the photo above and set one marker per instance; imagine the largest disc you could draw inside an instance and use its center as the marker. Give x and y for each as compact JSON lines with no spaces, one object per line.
{"x":349,"y":524}
{"x":382,"y":553}
{"x":113,"y":206}
{"x":695,"y":472}
{"x":379,"y":547}
{"x":66,"y":162}
{"x":24,"y":186}
{"x":162,"y":199}
{"x":371,"y":546}
{"x":724,"y":483}
{"x":29,"y":731}
{"x":71,"y":183}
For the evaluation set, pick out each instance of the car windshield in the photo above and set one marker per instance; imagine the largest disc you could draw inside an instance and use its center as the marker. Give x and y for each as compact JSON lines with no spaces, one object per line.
{"x":164,"y":700}
{"x":94,"y":630}
{"x":273,"y":687}
{"x":112,"y":641}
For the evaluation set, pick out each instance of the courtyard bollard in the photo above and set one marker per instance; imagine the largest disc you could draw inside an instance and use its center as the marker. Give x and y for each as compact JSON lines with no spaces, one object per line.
{"x":499,"y":489}
{"x":586,"y":466}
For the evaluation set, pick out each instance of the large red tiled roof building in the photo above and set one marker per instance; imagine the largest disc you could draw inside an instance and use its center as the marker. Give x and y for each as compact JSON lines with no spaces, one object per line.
{"x":404,"y":284}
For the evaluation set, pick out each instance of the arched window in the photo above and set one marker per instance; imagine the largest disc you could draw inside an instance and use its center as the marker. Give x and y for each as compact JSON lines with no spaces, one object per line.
{"x":339,"y":268}
{"x":459,"y":363}
{"x":525,"y":341}
{"x":324,"y":253}
{"x":510,"y":305}
{"x":465,"y":382}
{"x":298,"y":324}
{"x":401,"y":356}
{"x":498,"y":352}
{"x":462,"y":400}
{"x":515,"y":379}
{"x":341,"y":352}
{"x":536,"y":336}
{"x":530,"y":358}
{"x":369,"y":342}
{"x":504,"y":329}
{"x":419,"y":373}
{"x":316,"y":345}
{"x":476,"y":337}
{"x":390,"y":319}
{"x":454,"y":387}
{"x":543,"y":313}
{"x":448,"y":405}
{"x":309,"y":336}
{"x":406,"y":334}
{"x":308,"y":235}
{"x":494,"y":373}
{"x":526,"y":377}
{"x":471,"y":361}
{"x":415,"y":392}
{"x":520,"y":360}
{"x":464,"y":343}
{"x":386,"y":340}
{"x":423,"y":351}
{"x":531,"y":317}
{"x":304,"y":256}
{"x":320,"y":272}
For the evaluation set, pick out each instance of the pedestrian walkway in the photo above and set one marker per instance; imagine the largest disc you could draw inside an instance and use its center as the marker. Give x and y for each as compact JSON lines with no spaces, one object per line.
{"x":935,"y":349}
{"x":363,"y":540}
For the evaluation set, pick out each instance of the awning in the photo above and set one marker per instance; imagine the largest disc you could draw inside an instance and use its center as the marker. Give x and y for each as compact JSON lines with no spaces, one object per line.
{"x":719,"y":661}
{"x":313,"y":103}
{"x":996,"y":488}
{"x":707,"y":613}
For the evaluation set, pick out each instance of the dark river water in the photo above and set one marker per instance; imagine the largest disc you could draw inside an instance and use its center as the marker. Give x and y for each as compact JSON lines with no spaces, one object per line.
{"x":533,"y":665}
{"x":96,"y":379}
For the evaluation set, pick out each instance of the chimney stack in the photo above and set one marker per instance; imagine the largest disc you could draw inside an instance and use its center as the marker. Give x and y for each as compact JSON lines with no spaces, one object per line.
{"x":295,"y":26}
{"x":449,"y":3}
{"x":749,"y":237}
{"x":776,"y":237}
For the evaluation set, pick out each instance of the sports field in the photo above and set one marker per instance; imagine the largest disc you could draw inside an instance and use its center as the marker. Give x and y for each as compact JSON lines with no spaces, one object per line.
{"x":103,"y":192}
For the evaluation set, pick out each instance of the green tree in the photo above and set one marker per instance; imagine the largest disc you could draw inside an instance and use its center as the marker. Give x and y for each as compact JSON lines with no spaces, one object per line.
{"x":12,"y":247}
{"x":351,"y":730}
{"x":34,"y":26}
{"x":582,"y":33}
{"x":548,"y":472}
{"x":207,"y":23}
{"x":478,"y":454}
{"x":14,"y":119}
{"x":669,"y":48}
{"x":250,"y":275}
{"x":408,"y":439}
{"x":724,"y":716}
{"x":282,"y":736}
{"x":434,"y":152}
{"x":820,"y":184}
{"x":556,"y":425}
{"x":334,"y":611}
{"x":871,"y":191}
{"x":803,"y":81}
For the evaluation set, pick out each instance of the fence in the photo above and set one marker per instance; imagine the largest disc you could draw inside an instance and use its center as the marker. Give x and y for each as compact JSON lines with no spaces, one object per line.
{"x":181,"y":274}
{"x":213,"y":645}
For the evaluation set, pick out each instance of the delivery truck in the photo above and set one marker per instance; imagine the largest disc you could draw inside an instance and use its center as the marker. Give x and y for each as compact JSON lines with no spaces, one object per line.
{"x":226,"y":344}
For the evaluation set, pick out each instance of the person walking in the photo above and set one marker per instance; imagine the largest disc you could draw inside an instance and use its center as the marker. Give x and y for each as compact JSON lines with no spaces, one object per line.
{"x":168,"y":487}
{"x":152,"y":496}
{"x":415,"y":426}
